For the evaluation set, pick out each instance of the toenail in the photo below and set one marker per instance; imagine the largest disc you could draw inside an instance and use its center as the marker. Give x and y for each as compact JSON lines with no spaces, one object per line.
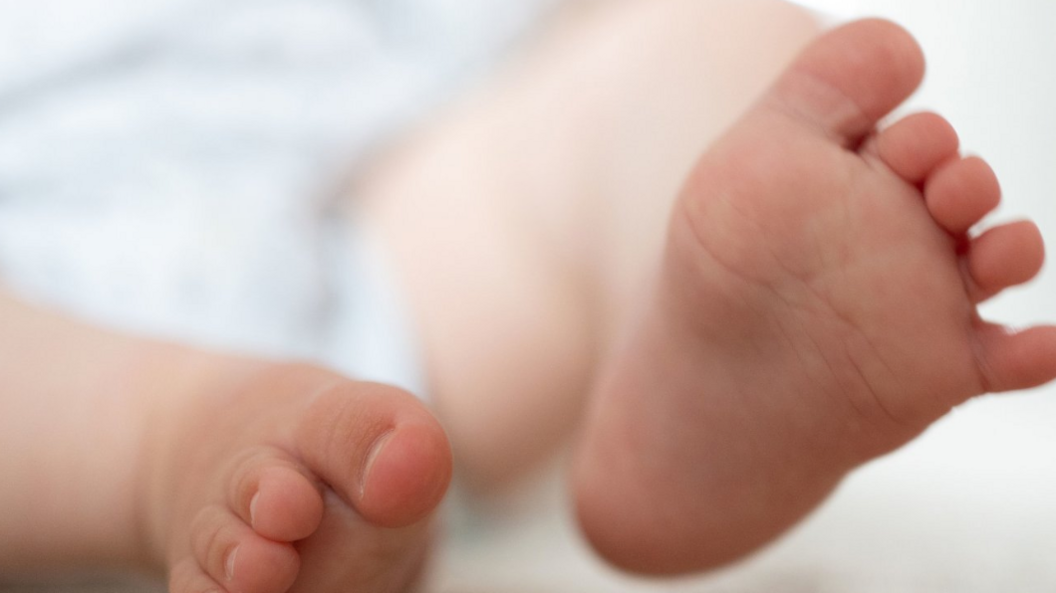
{"x":229,"y":564}
{"x":375,"y":450}
{"x":253,"y":509}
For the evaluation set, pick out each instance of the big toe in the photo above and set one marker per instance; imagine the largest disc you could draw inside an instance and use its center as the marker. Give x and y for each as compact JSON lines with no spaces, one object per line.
{"x":379,"y":449}
{"x":849,"y":78}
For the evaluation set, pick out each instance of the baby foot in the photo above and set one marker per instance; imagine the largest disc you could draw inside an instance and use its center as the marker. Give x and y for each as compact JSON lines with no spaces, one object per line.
{"x":816,"y":307}
{"x":290,"y":478}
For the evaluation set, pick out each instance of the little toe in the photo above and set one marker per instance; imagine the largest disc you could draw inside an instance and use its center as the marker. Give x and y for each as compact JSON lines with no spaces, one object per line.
{"x":961,"y":192}
{"x":1004,"y":256}
{"x":852,"y":76}
{"x":239,"y":559}
{"x":912,"y":147}
{"x":276,"y":496}
{"x":378,"y":448}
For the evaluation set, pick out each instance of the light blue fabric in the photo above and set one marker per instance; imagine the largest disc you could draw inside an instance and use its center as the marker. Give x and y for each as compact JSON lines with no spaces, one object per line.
{"x":167,"y":166}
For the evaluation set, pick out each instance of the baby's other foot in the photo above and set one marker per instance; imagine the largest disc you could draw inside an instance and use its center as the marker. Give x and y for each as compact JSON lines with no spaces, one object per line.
{"x":291,"y":478}
{"x":816,"y":307}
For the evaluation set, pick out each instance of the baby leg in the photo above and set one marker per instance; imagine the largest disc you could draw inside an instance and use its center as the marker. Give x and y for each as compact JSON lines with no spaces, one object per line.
{"x":526,"y":221}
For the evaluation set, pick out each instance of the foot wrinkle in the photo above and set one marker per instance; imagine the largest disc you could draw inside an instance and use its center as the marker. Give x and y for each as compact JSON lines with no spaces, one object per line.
{"x":691,"y":214}
{"x":975,"y":328}
{"x":796,"y":114}
{"x":984,"y":370}
{"x":854,"y":118}
{"x":873,"y":394}
{"x":819,"y":296}
{"x":833,"y":373}
{"x":710,"y":254}
{"x":846,"y":320}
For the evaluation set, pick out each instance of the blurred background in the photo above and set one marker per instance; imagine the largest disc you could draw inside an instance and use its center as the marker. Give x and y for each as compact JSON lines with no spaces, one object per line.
{"x":970,"y":506}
